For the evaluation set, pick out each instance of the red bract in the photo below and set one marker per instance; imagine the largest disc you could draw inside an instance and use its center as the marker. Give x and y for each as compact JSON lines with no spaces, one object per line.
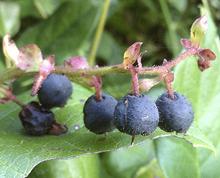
{"x":205,"y":58}
{"x":46,"y":67}
{"x":77,"y":62}
{"x":132,"y":54}
{"x":186,"y":43}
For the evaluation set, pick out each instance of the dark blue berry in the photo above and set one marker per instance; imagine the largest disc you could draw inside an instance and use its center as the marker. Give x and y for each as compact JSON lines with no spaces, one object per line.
{"x":35,"y":119}
{"x":136,"y":115}
{"x":175,"y":114}
{"x":55,"y":91}
{"x":99,"y":115}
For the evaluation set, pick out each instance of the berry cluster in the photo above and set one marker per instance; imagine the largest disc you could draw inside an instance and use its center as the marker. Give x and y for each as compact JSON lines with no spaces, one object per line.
{"x":138,"y":115}
{"x":133,"y":114}
{"x":37,"y":119}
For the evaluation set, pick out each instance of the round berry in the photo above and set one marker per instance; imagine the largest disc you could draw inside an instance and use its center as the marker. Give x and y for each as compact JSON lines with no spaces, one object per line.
{"x":175,"y":114}
{"x":136,"y":115}
{"x":99,"y":115}
{"x":55,"y":91}
{"x":35,"y":119}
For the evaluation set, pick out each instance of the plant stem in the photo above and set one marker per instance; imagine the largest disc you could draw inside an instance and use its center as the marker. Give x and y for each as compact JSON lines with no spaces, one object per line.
{"x":18,"y":102}
{"x":9,"y":96}
{"x":170,"y":26}
{"x":99,"y":32}
{"x":11,"y":74}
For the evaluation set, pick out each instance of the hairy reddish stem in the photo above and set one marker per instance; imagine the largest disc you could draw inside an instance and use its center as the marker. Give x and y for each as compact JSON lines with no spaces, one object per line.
{"x":169,"y":88}
{"x":97,"y":83}
{"x":135,"y":84}
{"x":14,"y":73}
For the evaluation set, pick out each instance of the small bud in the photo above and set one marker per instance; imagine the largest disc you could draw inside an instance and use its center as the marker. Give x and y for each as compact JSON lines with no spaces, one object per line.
{"x":77,"y":62}
{"x":132,"y":54}
{"x":186,"y":43}
{"x":198,"y":30}
{"x":146,"y":84}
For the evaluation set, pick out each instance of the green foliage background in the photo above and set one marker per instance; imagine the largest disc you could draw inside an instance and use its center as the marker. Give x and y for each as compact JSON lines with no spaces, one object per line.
{"x":66,"y":28}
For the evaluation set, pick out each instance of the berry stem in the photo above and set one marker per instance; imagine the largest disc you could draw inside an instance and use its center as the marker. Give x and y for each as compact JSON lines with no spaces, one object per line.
{"x":135,"y":83}
{"x":132,"y":139}
{"x":169,"y":88}
{"x":9,"y":96}
{"x":168,"y":78}
{"x":18,"y":102}
{"x":97,"y":83}
{"x":75,"y":75}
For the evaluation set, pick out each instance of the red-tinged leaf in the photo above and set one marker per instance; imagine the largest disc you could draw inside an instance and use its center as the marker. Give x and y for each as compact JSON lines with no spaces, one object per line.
{"x":132,"y":54}
{"x":29,"y":57}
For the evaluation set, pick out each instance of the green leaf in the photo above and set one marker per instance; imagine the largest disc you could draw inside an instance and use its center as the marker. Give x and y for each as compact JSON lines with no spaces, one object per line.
{"x":67,"y":32}
{"x":87,"y":166}
{"x":150,"y":170}
{"x":20,"y":152}
{"x":203,"y":90}
{"x":123,"y":163}
{"x":179,"y":5}
{"x":46,"y":7}
{"x":176,"y":158}
{"x":209,"y":121}
{"x":28,"y":8}
{"x":110,"y":50}
{"x":210,"y":164}
{"x":9,"y":18}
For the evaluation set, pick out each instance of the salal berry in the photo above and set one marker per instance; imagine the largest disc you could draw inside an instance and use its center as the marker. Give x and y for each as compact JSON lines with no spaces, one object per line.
{"x":99,"y":114}
{"x":175,"y":114}
{"x":136,"y":115}
{"x":55,"y":91}
{"x":35,"y":119}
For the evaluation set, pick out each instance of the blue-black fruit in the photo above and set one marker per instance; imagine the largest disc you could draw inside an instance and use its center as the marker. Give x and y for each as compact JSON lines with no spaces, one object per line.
{"x":55,"y":91}
{"x":35,"y":119}
{"x":136,"y":115}
{"x":99,"y":115}
{"x":175,"y":114}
